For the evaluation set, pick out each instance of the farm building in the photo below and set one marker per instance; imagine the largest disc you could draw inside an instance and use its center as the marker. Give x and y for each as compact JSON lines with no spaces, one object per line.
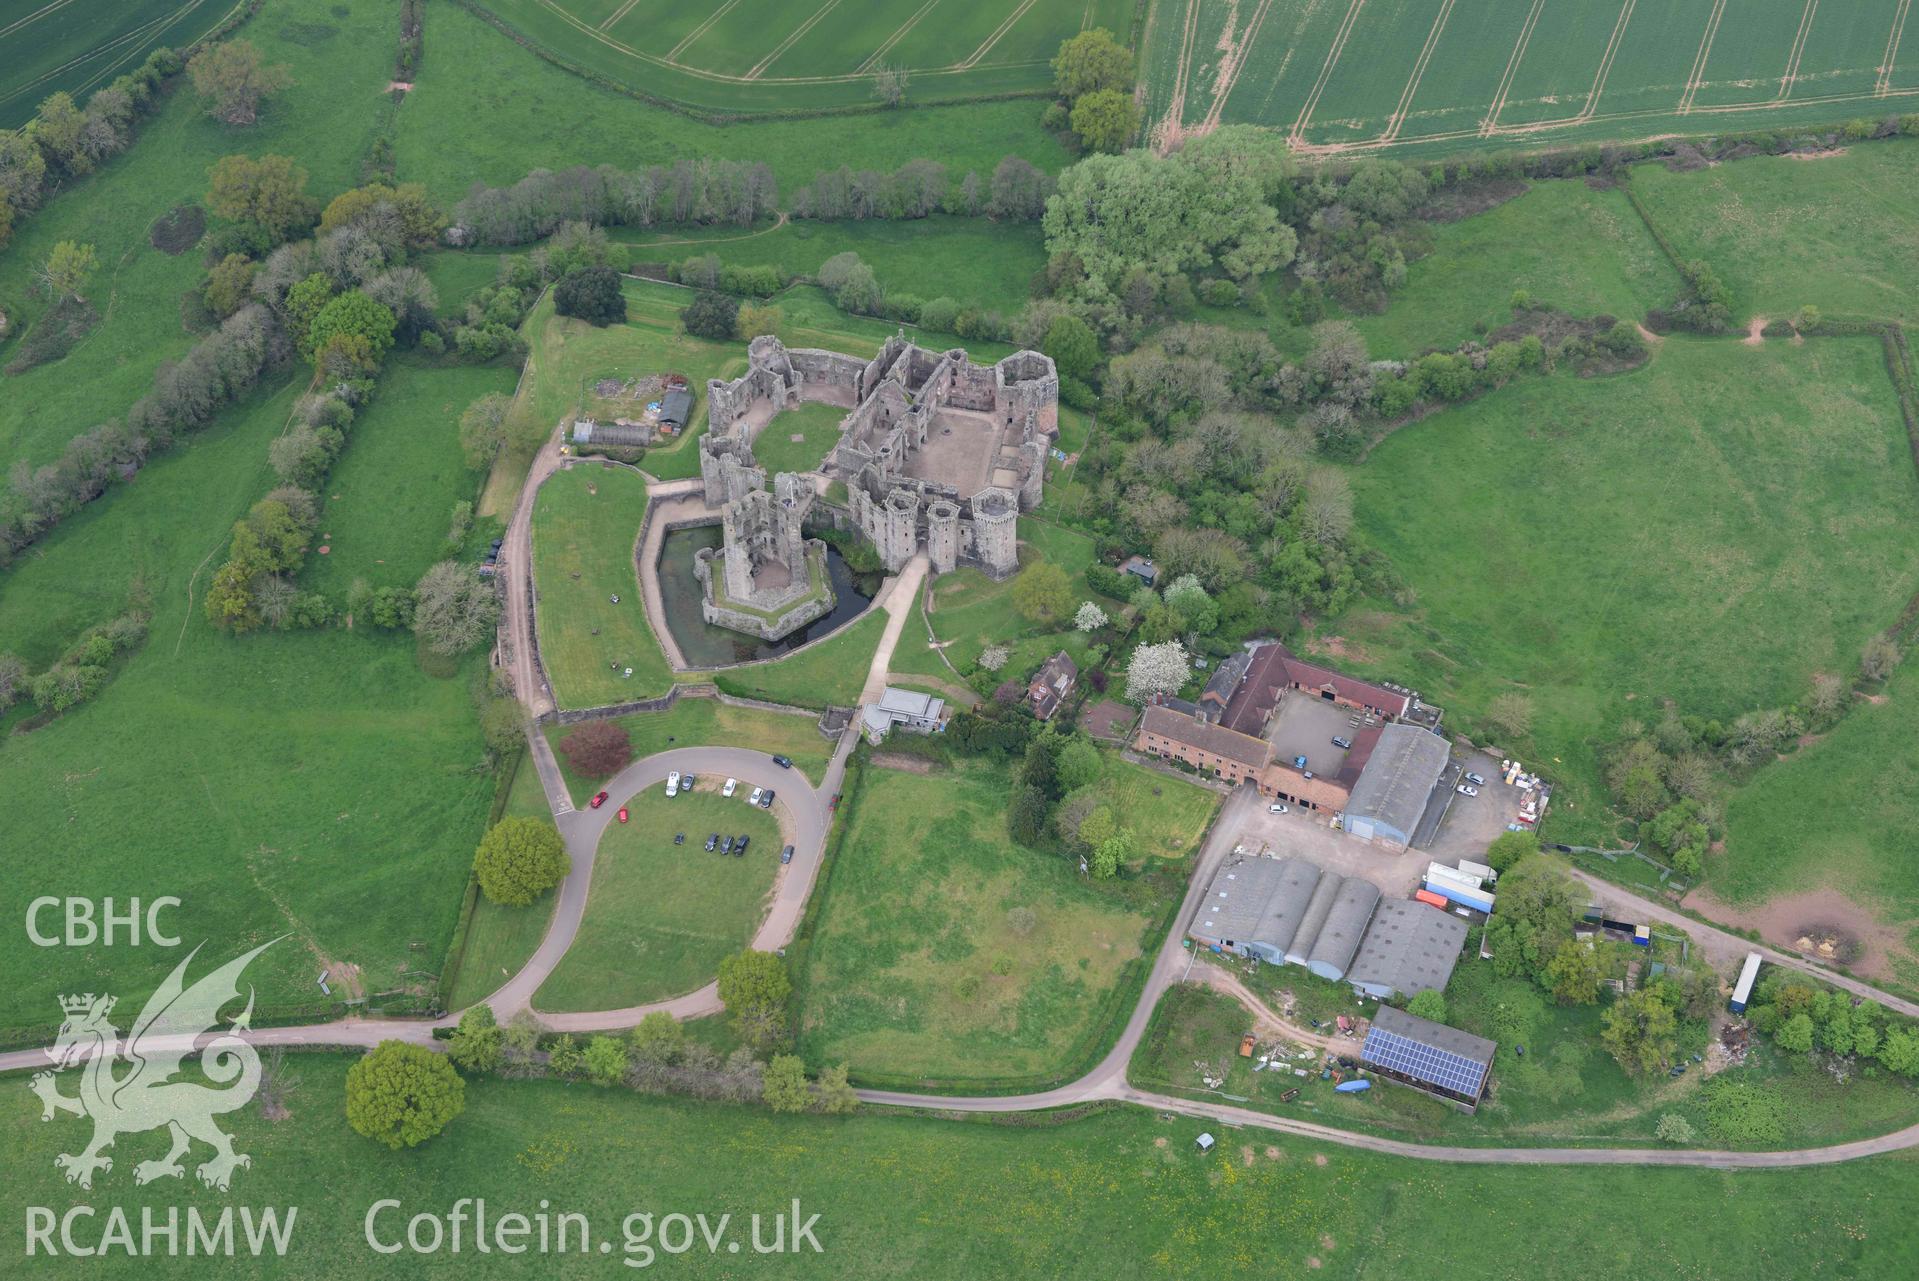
{"x":1429,"y":1057}
{"x":1408,"y":949}
{"x":1271,"y":670}
{"x":1391,"y":793}
{"x":1293,"y":912}
{"x":1167,"y":733}
{"x":1051,"y":684}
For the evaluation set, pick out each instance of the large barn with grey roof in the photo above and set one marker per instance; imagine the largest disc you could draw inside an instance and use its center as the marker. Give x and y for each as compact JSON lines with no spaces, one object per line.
{"x":1391,"y":794}
{"x":1290,"y":911}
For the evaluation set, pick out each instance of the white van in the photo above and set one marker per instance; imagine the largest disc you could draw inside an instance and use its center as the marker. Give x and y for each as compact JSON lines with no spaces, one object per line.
{"x":673,"y":783}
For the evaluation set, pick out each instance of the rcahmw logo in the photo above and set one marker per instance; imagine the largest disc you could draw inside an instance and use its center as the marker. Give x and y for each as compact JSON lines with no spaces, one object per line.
{"x":146,"y":1097}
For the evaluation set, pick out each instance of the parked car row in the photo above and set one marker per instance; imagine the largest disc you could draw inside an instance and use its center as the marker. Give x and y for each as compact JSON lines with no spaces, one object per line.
{"x":734,"y":845}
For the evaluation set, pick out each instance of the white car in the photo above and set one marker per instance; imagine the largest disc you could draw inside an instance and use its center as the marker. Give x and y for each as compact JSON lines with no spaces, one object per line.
{"x":1276,"y":808}
{"x":754,"y":799}
{"x":1467,"y":789}
{"x":732,"y":785}
{"x":1476,"y":780}
{"x":673,"y":783}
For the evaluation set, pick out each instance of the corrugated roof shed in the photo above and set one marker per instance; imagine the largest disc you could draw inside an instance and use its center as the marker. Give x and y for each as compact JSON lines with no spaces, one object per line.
{"x":1339,"y":937}
{"x":1409,"y":948}
{"x":1391,"y":793}
{"x":675,"y":406}
{"x":1256,"y":901}
{"x":1317,"y":910}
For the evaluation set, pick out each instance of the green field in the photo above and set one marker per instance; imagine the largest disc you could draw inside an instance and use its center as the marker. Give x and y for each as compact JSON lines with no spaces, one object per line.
{"x":828,"y":674}
{"x":817,"y":425}
{"x":49,"y":47}
{"x":916,"y":971}
{"x":1571,"y":248}
{"x":707,"y":722}
{"x":1741,"y":514}
{"x":487,"y":109}
{"x":585,"y":523}
{"x":325,"y":120}
{"x":955,"y":1198}
{"x":660,"y":916}
{"x":973,"y":261}
{"x":1857,"y":839}
{"x":758,"y":55}
{"x":500,"y":940}
{"x":316,"y":784}
{"x":1836,"y":232}
{"x":1440,"y":76}
{"x":389,"y":502}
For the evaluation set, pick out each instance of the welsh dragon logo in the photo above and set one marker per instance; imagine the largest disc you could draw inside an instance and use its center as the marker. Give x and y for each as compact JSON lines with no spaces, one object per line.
{"x":129,"y":1087}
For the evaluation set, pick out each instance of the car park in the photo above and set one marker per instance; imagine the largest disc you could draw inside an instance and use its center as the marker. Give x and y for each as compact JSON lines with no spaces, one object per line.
{"x":673,"y":783}
{"x":712,"y":842}
{"x":1477,"y":780}
{"x":783,"y":762}
{"x":732,"y":786}
{"x":766,"y":801}
{"x":786,"y":855}
{"x":597,"y":801}
{"x":1344,"y":744}
{"x":1467,"y":789}
{"x":754,"y":799}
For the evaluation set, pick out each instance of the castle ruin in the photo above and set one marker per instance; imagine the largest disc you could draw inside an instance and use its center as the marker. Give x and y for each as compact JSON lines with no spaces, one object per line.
{"x":935,"y":452}
{"x":766,"y":578}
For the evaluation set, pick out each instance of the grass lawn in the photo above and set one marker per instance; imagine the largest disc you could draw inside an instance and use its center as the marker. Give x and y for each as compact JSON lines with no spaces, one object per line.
{"x":961,"y":1198}
{"x":829,"y":674}
{"x":917,"y":969}
{"x":585,"y":522}
{"x":1713,"y":528}
{"x":1856,"y":837}
{"x":659,"y":916}
{"x":971,"y":611}
{"x":817,"y":425}
{"x":312,"y":783}
{"x":1836,"y":232}
{"x":326,"y":120}
{"x":500,"y":940}
{"x":1570,"y":247}
{"x":485,"y":109}
{"x":707,"y":722}
{"x":1167,"y":815}
{"x":973,"y":261}
{"x":389,"y":502}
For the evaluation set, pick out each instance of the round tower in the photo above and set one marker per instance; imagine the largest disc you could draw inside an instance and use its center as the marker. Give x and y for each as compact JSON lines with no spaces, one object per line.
{"x":996,"y":531}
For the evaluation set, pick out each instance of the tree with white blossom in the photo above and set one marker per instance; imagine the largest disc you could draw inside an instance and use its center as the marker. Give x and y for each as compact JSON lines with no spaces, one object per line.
{"x":1156,"y":670}
{"x":994,"y":657}
{"x":1090,"y":617}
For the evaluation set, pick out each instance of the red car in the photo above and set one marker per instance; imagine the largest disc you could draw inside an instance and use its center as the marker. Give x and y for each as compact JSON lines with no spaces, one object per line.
{"x":597,"y":801}
{"x":622,"y":813}
{"x":835,"y":803}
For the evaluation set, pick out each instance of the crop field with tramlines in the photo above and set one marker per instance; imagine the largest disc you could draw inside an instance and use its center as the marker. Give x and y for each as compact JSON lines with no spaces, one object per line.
{"x":79,"y":45}
{"x":726,"y":56}
{"x":1459,"y":75}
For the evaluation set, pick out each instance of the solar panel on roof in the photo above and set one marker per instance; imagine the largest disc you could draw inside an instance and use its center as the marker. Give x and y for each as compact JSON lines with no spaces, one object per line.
{"x":1423,"y":1062}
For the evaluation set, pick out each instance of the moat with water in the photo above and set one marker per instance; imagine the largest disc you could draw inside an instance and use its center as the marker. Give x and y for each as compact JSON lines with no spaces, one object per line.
{"x":704,"y":645}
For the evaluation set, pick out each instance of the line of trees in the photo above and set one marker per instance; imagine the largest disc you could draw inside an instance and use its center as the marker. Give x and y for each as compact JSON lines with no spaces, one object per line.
{"x":83,"y":669}
{"x":697,"y":192}
{"x":1016,"y":191}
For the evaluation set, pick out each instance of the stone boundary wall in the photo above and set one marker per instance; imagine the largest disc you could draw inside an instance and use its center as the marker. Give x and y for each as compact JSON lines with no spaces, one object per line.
{"x":581,"y":715}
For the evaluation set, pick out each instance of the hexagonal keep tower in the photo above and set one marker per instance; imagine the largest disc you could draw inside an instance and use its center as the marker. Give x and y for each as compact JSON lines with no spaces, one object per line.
{"x":767,"y":578}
